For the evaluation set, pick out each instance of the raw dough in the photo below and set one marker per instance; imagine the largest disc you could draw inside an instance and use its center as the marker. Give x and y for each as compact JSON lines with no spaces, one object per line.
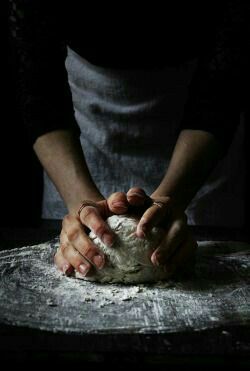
{"x":128,"y":260}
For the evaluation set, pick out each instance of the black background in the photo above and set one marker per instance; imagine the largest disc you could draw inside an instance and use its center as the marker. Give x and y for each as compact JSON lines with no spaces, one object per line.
{"x":20,"y":171}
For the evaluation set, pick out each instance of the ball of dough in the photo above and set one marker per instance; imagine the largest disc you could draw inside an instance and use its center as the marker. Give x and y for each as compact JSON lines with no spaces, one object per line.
{"x":128,"y":260}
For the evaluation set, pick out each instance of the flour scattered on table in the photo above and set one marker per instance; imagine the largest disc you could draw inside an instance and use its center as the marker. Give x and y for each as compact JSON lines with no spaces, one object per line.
{"x":37,"y":295}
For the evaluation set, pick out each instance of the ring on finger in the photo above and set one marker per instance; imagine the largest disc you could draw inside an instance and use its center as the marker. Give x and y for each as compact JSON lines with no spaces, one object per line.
{"x":160,"y":204}
{"x":84,"y":204}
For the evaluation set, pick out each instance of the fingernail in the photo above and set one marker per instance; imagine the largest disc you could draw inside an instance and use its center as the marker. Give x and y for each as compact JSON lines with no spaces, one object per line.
{"x":137,"y":195}
{"x":66,"y":269}
{"x":108,"y":239}
{"x":99,"y":261}
{"x":119,"y":205}
{"x":83,"y":269}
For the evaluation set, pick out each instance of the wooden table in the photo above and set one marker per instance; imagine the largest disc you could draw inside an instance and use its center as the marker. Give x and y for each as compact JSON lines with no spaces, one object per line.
{"x":202,"y":319}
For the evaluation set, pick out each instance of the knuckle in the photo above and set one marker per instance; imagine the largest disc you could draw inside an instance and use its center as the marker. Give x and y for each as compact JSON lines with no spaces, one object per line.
{"x":73,"y":233}
{"x":66,"y":220}
{"x":63,"y":237}
{"x":62,"y":248}
{"x":87,"y":212}
{"x":99,"y":230}
{"x":167,"y":200}
{"x":87,"y":248}
{"x":73,"y":256}
{"x":82,"y":247}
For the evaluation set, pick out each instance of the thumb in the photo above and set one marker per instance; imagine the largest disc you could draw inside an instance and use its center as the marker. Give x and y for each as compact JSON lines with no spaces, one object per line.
{"x":117,"y":203}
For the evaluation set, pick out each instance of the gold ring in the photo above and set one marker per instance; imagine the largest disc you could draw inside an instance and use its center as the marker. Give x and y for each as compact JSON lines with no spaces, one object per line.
{"x":84,"y":204}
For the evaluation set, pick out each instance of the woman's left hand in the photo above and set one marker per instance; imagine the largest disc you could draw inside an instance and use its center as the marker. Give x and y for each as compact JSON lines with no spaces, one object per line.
{"x":177,"y":248}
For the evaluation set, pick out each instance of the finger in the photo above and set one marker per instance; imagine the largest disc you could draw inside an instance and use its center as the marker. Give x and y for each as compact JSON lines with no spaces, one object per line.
{"x":173,"y":238}
{"x":79,"y":263}
{"x":62,"y":264}
{"x":118,"y":203}
{"x":85,"y":247}
{"x":91,"y":218}
{"x":74,"y":258}
{"x":89,"y":251}
{"x":137,"y":196}
{"x":152,"y":217}
{"x":184,"y":257}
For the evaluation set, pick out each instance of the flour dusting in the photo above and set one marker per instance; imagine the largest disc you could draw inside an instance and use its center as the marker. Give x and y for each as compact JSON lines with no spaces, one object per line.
{"x":35,"y":294}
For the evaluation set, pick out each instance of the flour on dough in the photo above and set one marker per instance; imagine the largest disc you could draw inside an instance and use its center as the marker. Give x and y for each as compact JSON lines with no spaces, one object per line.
{"x":128,"y":260}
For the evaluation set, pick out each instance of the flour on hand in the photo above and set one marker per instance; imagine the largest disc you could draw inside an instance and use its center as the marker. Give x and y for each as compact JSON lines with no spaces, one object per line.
{"x":128,"y":260}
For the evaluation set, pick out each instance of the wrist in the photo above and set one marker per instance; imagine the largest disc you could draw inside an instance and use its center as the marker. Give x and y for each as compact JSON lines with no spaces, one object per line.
{"x":75,"y":202}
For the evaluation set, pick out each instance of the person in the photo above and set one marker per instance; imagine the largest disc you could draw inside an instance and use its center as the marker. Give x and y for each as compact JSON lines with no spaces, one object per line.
{"x":132,"y":118}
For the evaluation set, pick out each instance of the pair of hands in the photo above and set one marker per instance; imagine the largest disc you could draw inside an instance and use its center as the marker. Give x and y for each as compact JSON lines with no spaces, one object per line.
{"x":78,"y":252}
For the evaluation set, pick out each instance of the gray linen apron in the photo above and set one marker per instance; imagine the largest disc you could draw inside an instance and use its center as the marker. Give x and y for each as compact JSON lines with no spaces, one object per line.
{"x":129,"y":121}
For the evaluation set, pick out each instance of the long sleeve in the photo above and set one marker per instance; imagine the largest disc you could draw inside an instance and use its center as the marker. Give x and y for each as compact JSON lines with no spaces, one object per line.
{"x":44,"y":95}
{"x":218,"y":90}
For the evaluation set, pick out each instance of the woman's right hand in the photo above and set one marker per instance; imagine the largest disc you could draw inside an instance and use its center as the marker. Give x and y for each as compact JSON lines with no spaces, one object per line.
{"x":76,"y":250}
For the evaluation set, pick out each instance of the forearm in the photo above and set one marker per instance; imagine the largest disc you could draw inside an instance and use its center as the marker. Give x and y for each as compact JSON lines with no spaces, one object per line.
{"x":61,"y":155}
{"x":196,"y":153}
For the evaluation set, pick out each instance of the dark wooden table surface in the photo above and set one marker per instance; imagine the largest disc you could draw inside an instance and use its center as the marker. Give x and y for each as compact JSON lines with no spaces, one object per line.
{"x":218,"y":346}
